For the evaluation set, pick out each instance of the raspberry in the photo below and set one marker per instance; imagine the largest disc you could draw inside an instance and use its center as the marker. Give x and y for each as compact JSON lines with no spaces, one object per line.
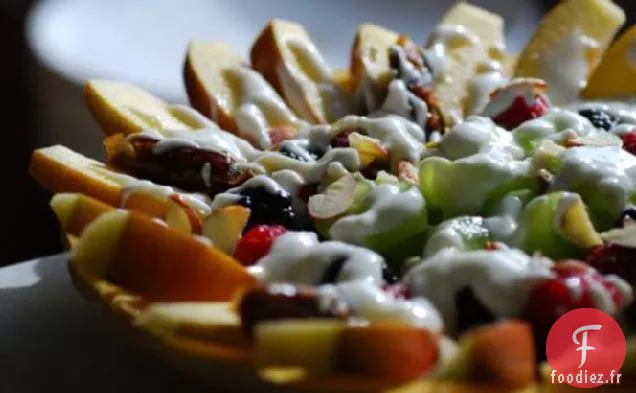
{"x":256,"y":243}
{"x":574,"y":286}
{"x":629,"y":142}
{"x":614,"y":259}
{"x":568,"y":290}
{"x":342,"y":139}
{"x":520,"y":110}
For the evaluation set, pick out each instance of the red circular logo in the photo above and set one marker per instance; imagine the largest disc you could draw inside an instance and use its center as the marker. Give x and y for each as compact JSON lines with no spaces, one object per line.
{"x":585,"y":349}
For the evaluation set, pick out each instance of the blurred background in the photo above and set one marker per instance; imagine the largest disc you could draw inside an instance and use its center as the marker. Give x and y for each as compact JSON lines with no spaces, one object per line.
{"x":51,"y":47}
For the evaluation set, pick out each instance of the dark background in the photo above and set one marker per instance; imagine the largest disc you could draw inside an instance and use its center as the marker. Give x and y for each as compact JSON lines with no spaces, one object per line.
{"x":28,"y":226}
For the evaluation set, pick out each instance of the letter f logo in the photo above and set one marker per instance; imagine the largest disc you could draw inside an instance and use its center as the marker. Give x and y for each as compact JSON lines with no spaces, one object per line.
{"x":584,"y":347}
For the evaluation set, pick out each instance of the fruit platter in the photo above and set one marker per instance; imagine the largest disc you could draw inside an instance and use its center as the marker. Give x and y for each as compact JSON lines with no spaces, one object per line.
{"x":417,"y":222}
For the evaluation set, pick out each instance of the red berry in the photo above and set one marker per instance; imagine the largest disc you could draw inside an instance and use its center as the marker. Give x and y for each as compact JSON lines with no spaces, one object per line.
{"x":614,"y":259}
{"x":570,"y":289}
{"x":256,"y":243}
{"x":397,"y":290}
{"x":629,"y":142}
{"x":520,"y":110}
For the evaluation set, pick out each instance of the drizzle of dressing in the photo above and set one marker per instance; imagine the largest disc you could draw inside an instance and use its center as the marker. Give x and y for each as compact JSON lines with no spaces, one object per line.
{"x":403,"y":139}
{"x":299,"y":258}
{"x":311,"y":172}
{"x":477,"y":135}
{"x":594,"y":171}
{"x":500,"y":279}
{"x":389,"y":208}
{"x":488,"y":79}
{"x":199,"y":202}
{"x":260,"y":108}
{"x":566,"y":67}
{"x":233,"y":195}
{"x":371,"y":303}
{"x":316,"y":75}
{"x":401,"y":102}
{"x":443,"y":39}
{"x":209,"y":137}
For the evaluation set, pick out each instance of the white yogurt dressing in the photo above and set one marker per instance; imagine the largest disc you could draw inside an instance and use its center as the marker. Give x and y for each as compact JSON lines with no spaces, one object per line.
{"x":401,"y":137}
{"x":401,"y":102}
{"x":608,"y":171}
{"x":389,"y":208}
{"x":311,"y":172}
{"x":500,"y":280}
{"x":373,"y":304}
{"x":233,"y":195}
{"x":566,"y":68}
{"x":315,"y":78}
{"x":477,"y":135}
{"x":199,"y":202}
{"x":443,"y":39}
{"x":557,"y":125}
{"x":260,"y":108}
{"x":299,"y":258}
{"x":453,"y":234}
{"x":489,"y":78}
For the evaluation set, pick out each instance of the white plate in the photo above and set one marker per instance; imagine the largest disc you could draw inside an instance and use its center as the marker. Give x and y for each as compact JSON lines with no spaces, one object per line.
{"x":51,"y":340}
{"x":143,"y":41}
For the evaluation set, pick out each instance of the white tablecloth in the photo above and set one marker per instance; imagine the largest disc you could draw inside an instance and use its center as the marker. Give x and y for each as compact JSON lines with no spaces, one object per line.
{"x":51,"y":340}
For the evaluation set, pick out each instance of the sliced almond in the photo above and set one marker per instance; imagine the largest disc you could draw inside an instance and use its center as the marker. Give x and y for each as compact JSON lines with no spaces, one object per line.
{"x":625,"y":237}
{"x":408,"y":172}
{"x":336,"y":199}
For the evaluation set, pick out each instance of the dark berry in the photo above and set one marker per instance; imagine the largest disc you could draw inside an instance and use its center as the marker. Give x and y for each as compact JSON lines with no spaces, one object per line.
{"x":470,"y":311}
{"x":389,"y":275}
{"x":333,"y":271}
{"x":256,"y":243}
{"x":296,"y":151}
{"x":629,"y":142}
{"x":267,"y":208}
{"x":285,"y":301}
{"x":628,"y":217}
{"x":600,"y":119}
{"x":614,"y":259}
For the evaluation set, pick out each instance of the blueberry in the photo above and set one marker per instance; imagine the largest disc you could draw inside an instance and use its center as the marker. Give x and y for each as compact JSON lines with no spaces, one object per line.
{"x":389,"y":275}
{"x":333,"y":270}
{"x":470,"y":311}
{"x":628,"y":215}
{"x":600,"y":118}
{"x":267,"y":208}
{"x":297,"y":151}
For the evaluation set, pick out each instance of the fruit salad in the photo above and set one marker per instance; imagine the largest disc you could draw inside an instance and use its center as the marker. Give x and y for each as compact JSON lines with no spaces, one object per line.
{"x":423,"y":215}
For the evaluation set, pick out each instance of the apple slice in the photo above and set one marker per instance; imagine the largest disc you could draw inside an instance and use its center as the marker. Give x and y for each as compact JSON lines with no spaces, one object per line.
{"x":395,"y":353}
{"x":290,"y":61}
{"x":209,"y":321}
{"x":336,"y":199}
{"x":344,"y":80}
{"x":615,"y":76}
{"x":76,"y":211}
{"x":486,"y":25}
{"x":464,"y":39}
{"x":568,"y":45}
{"x":60,"y":169}
{"x":370,"y":59}
{"x":120,"y":107}
{"x":309,"y":344}
{"x":501,"y":354}
{"x":151,"y":260}
{"x":225,"y":226}
{"x":222,"y":87}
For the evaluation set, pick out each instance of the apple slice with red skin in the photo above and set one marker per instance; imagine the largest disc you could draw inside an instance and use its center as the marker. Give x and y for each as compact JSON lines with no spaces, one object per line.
{"x":392,"y":352}
{"x":148,"y":259}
